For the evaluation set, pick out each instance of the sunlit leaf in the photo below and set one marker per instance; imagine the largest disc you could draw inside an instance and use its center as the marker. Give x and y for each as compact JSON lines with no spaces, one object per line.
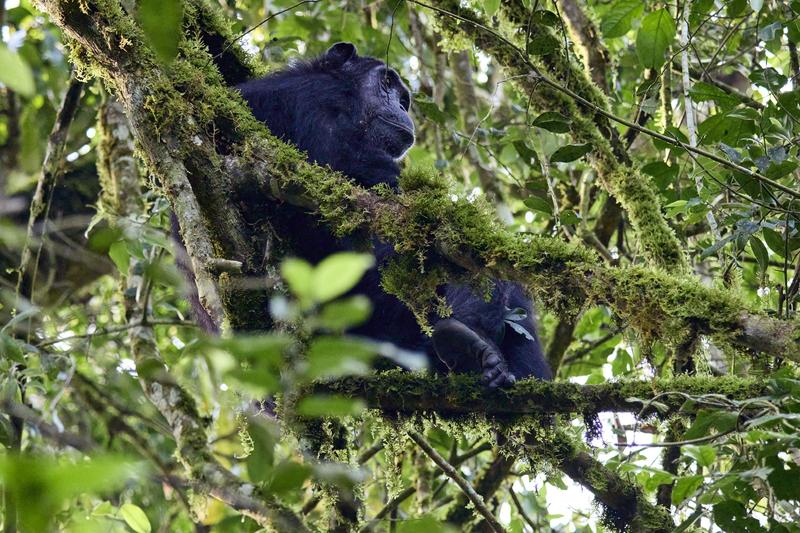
{"x":491,"y":6}
{"x":15,"y":72}
{"x":685,"y":487}
{"x":288,"y":476}
{"x":161,"y":23}
{"x":618,"y":18}
{"x":338,"y":356}
{"x":655,"y":35}
{"x":298,"y":273}
{"x":135,"y":518}
{"x":119,"y":254}
{"x":338,"y":273}
{"x":346,"y":313}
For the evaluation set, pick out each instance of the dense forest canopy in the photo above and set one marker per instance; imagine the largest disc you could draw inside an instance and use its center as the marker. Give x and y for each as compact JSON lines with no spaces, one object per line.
{"x":633,"y":165}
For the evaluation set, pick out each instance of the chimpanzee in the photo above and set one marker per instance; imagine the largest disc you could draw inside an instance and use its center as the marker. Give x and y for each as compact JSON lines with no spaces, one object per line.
{"x":351,"y":113}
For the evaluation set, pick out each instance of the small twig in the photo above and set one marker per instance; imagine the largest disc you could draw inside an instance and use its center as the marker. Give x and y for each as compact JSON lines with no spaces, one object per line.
{"x":370,"y":452}
{"x":51,"y":171}
{"x":390,"y":506}
{"x":698,"y":440}
{"x":117,"y":329}
{"x":453,"y":474}
{"x":521,"y":511}
{"x":261,"y":23}
{"x":30,"y":416}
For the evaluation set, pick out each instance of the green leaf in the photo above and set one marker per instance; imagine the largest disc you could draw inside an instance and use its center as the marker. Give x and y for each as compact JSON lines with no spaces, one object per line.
{"x":528,"y":155}
{"x":552,"y":121}
{"x":15,"y":72}
{"x":338,"y":273}
{"x":537,"y":203}
{"x":784,"y":168}
{"x":702,"y":455}
{"x":263,"y":435}
{"x":161,"y":23}
{"x":288,"y":476}
{"x":10,"y":349}
{"x":655,"y":35}
{"x":685,"y":487}
{"x":256,"y":348}
{"x":569,"y":216}
{"x":664,"y":175}
{"x":338,"y":356}
{"x":724,"y":127}
{"x":347,"y":313}
{"x":53,"y":482}
{"x":704,"y":92}
{"x":619,"y":17}
{"x":733,"y":517}
{"x":430,"y":109}
{"x":570,"y":152}
{"x":135,"y":518}
{"x":543,"y":44}
{"x":708,"y":419}
{"x":490,"y":7}
{"x":775,"y":241}
{"x":548,"y":18}
{"x":298,"y":273}
{"x":336,"y":406}
{"x":760,"y":252}
{"x":119,"y":254}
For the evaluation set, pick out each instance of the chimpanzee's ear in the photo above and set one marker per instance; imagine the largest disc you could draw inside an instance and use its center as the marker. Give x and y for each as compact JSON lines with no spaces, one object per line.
{"x":339,"y":54}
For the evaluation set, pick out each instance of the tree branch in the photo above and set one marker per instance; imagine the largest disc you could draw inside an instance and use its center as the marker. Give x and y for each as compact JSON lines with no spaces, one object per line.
{"x":407,"y":392}
{"x":590,"y":123}
{"x":626,"y":507}
{"x":422,"y":222}
{"x":453,"y":474}
{"x":51,"y":171}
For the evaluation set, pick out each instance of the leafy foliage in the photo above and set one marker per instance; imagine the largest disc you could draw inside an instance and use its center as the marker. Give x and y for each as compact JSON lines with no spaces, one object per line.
{"x":86,"y":447}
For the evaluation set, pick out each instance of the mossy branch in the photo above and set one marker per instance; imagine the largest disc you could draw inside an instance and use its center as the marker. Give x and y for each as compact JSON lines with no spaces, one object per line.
{"x":233,"y":162}
{"x":618,"y":175}
{"x":122,"y":189}
{"x":626,"y":507}
{"x":408,"y":392}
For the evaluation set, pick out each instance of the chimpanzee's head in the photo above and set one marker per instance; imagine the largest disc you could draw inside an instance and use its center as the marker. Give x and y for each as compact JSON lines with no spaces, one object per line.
{"x":344,"y":110}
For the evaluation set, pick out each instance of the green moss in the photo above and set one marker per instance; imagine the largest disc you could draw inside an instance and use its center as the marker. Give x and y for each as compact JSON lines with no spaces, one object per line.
{"x":610,"y":161}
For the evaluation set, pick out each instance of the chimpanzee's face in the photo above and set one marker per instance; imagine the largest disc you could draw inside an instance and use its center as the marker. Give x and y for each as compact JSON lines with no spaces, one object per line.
{"x":379,"y":102}
{"x":386,"y":111}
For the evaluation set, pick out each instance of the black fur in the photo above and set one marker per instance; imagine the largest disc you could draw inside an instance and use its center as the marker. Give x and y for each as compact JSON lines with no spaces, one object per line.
{"x":351,"y":113}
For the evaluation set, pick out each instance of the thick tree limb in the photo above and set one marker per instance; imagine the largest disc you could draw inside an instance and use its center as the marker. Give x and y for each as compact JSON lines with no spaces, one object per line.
{"x":423,"y":222}
{"x":32,"y":418}
{"x":406,"y":392}
{"x":584,"y":32}
{"x":626,"y":507}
